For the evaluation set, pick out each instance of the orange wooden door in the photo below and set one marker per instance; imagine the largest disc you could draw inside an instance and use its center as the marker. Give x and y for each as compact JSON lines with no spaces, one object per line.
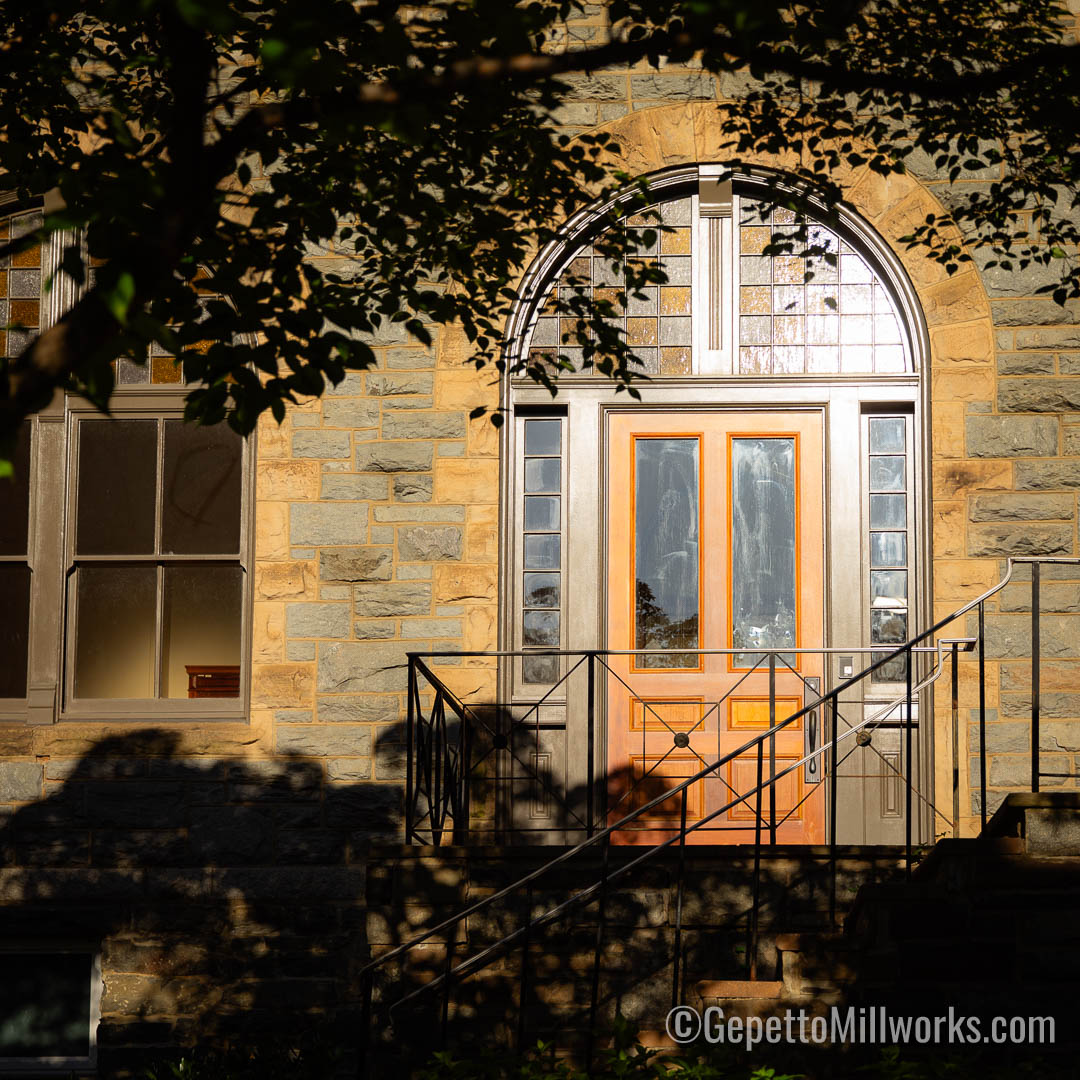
{"x":715,"y":542}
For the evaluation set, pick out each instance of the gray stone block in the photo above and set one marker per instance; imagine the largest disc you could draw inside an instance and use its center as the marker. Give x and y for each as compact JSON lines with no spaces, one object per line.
{"x":407,"y":359}
{"x":321,"y":523}
{"x":1008,"y":637}
{"x":382,"y":383}
{"x":1053,"y":597}
{"x":350,"y":386}
{"x":1011,"y":436}
{"x":1041,"y":311}
{"x":393,"y":598}
{"x":359,"y":709}
{"x":355,"y":666}
{"x":674,"y":87}
{"x":1052,"y":706}
{"x":394,"y":457}
{"x":1007,"y":539}
{"x":300,"y":651}
{"x":315,"y":620}
{"x":1021,"y":506}
{"x":356,"y":564}
{"x":1069,"y":363}
{"x":419,"y":513}
{"x":321,"y":444}
{"x":20,"y":781}
{"x":1049,"y":338}
{"x":348,"y":486}
{"x":1046,"y":475}
{"x":349,"y":769}
{"x":1039,"y":395}
{"x":316,"y":741}
{"x":429,"y":543}
{"x":350,"y":413}
{"x":423,"y":425}
{"x":1013,"y":363}
{"x":1001,"y":738}
{"x":600,"y":87}
{"x":1072,"y":442}
{"x":413,"y":488}
{"x":1056,"y":735}
{"x":430,"y":628}
{"x":374,"y":629}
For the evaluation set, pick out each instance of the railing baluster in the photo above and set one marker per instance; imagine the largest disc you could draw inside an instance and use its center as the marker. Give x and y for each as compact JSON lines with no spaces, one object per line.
{"x":752,"y":950}
{"x":834,"y":785}
{"x":594,"y":999}
{"x":523,"y":982}
{"x":590,"y":765}
{"x":956,"y":737}
{"x":982,"y":712}
{"x":772,"y":749}
{"x":675,"y":998}
{"x":1036,"y":664}
{"x":909,"y":742}
{"x":410,"y":749}
{"x":447,"y":979}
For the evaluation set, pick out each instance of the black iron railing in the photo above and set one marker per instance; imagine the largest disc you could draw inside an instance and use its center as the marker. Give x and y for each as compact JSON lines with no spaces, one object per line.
{"x":445,"y":733}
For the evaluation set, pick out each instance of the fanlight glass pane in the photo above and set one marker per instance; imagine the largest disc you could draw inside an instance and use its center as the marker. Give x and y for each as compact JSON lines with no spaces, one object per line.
{"x":666,"y":549}
{"x":764,"y":588}
{"x":117,"y":477}
{"x":114,"y":639}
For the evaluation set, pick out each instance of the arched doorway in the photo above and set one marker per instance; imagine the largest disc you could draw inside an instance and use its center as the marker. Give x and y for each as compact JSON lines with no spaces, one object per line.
{"x":764,"y":493}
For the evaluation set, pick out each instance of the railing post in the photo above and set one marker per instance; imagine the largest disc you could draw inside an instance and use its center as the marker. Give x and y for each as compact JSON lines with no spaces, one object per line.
{"x":982,"y":712}
{"x":956,"y":738}
{"x":590,"y":765}
{"x":834,"y":784}
{"x":772,"y":749}
{"x":410,"y":749}
{"x":1036,"y":664}
{"x":461,"y":833}
{"x":909,"y":743}
{"x":675,"y":999}
{"x":752,"y":957}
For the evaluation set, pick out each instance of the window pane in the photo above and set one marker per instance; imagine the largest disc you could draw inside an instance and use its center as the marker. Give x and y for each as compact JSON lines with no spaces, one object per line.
{"x":539,"y":669}
{"x":888,"y":549}
{"x":888,"y":627}
{"x":887,"y":474}
{"x":541,"y":628}
{"x":201,"y":628}
{"x":542,"y":474}
{"x":887,"y":435}
{"x":888,"y":588}
{"x":542,"y":512}
{"x":117,"y":471}
{"x":542,"y":552}
{"x":15,"y":498}
{"x":14,"y":628}
{"x":763,"y":543}
{"x":114,"y":634}
{"x":541,"y":590}
{"x":45,"y":1005}
{"x":543,"y":436}
{"x":666,"y":502}
{"x":201,"y":489}
{"x":888,"y":512}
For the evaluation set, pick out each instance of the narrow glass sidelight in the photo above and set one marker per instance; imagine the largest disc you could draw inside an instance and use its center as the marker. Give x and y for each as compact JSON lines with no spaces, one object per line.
{"x":764,"y":585}
{"x":667,"y":573}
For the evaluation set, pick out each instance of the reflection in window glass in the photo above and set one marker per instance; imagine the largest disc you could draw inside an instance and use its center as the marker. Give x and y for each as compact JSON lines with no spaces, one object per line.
{"x":542,"y":590}
{"x":543,"y":474}
{"x":14,"y":628}
{"x":888,"y":549}
{"x":887,"y":474}
{"x":541,"y":628}
{"x":763,"y":544}
{"x":543,"y":437}
{"x":887,"y":435}
{"x":542,"y":552}
{"x":45,"y":1005}
{"x":888,"y":511}
{"x":201,"y":483}
{"x":542,"y":512}
{"x":666,"y":507}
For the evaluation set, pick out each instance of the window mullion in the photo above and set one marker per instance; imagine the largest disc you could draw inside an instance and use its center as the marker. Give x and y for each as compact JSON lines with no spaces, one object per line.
{"x":159,"y":593}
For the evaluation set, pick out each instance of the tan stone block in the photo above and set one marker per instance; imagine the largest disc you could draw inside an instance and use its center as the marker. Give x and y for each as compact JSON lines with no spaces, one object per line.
{"x":971,"y":343}
{"x":964,"y":384}
{"x":481,"y":628}
{"x":454,"y":347}
{"x":466,"y":389}
{"x":675,"y":134}
{"x":273,"y":439}
{"x":902,"y":221}
{"x":955,"y":478}
{"x":268,"y":633}
{"x":969,"y":681}
{"x":16,"y":740}
{"x":481,"y":543}
{"x":465,"y":584}
{"x":964,"y":579}
{"x":875,"y":195}
{"x":467,"y":480}
{"x":277,"y":581}
{"x":948,"y":430}
{"x":483,"y":515}
{"x":271,"y":530}
{"x":282,"y":684}
{"x":957,"y":299}
{"x":287,"y":480}
{"x":483,"y":437}
{"x":949,"y":520}
{"x":473,"y":685}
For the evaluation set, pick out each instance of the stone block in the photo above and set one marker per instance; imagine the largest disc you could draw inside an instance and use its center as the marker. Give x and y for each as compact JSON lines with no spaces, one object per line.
{"x":1069,"y":363}
{"x":598,"y":87}
{"x":1048,"y":339}
{"x":271,"y":530}
{"x":408,"y":359}
{"x":1013,"y":737}
{"x":394,"y":457}
{"x":287,"y":480}
{"x":393,"y":598}
{"x":460,"y":584}
{"x":1005,"y":539}
{"x":350,"y":667}
{"x":356,"y":564}
{"x":420,"y":513}
{"x":321,"y":444}
{"x":674,"y":87}
{"x":1040,"y":311}
{"x":275,"y":685}
{"x":348,"y":769}
{"x":1072,"y":441}
{"x":374,"y":629}
{"x":410,"y":488}
{"x":316,"y":620}
{"x":953,"y":479}
{"x":280,"y":581}
{"x":469,"y":480}
{"x":320,"y":523}
{"x":358,"y":709}
{"x":1039,"y":395}
{"x":385,"y":383}
{"x":350,"y":413}
{"x":423,"y":425}
{"x":313,"y":740}
{"x":1014,"y":363}
{"x":300,"y":651}
{"x":347,"y":486}
{"x":430,"y":628}
{"x":429,"y":543}
{"x":1052,"y":706}
{"x":1012,"y":436}
{"x":1014,"y":279}
{"x":970,"y":343}
{"x":20,"y":781}
{"x":1046,"y":475}
{"x":1053,"y":597}
{"x":1022,"y":506}
{"x":1008,"y":637}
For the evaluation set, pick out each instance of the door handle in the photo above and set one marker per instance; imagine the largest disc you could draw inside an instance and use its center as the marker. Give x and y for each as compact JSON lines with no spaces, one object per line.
{"x":812,"y":770}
